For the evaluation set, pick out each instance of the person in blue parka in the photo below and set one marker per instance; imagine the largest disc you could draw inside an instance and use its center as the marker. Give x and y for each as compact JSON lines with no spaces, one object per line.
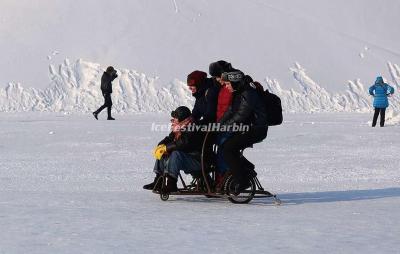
{"x":380,"y":90}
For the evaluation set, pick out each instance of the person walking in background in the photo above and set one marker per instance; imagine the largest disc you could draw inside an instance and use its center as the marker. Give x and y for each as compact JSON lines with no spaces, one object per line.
{"x":380,"y":90}
{"x":106,"y":88}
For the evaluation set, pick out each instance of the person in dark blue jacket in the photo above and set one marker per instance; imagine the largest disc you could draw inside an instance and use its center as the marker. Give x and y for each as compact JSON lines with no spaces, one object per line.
{"x":206,"y":94}
{"x":380,"y":90}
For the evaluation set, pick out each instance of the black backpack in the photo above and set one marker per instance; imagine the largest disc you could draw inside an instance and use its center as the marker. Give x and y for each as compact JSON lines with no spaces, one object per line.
{"x":273,"y":105}
{"x":273,"y":108}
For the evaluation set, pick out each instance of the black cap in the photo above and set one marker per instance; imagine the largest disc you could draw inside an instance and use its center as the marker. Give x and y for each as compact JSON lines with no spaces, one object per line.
{"x":217,"y":68}
{"x":181,"y":113}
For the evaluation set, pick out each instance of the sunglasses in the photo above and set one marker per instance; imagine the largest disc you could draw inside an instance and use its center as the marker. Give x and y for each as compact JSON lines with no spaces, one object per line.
{"x":234,"y":76}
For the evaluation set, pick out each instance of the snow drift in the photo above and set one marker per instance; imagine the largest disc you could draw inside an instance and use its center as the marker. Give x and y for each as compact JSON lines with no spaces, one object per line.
{"x":312,"y":97}
{"x":75,"y":87}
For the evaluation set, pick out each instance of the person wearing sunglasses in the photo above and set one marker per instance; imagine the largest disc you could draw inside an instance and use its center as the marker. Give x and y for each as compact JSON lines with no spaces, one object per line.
{"x":248,"y":109}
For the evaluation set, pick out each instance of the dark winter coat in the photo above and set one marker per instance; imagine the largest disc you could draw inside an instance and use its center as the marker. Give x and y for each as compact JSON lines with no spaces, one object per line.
{"x":247,"y":107}
{"x":190,"y":142}
{"x":106,"y":79}
{"x":205,"y":105}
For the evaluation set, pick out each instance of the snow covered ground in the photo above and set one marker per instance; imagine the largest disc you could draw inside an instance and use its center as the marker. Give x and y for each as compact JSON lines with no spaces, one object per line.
{"x":70,"y":184}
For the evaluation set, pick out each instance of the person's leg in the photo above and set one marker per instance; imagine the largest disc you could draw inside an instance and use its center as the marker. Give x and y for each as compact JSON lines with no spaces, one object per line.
{"x":100,"y":109}
{"x":231,"y":152}
{"x":109,"y":105}
{"x":158,"y":169}
{"x":95,"y":113}
{"x":160,"y":165}
{"x":241,"y":168}
{"x":109,"y":117}
{"x":222,"y":167}
{"x":382,"y":123}
{"x":181,"y":161}
{"x":191,"y":165}
{"x":375,"y":118}
{"x":257,"y":134}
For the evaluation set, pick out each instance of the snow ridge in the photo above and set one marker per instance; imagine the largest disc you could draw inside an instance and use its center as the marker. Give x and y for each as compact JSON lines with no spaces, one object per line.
{"x":75,"y":87}
{"x":313,"y":98}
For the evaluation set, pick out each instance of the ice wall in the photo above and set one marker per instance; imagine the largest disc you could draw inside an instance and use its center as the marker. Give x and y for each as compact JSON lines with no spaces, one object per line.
{"x":75,"y":87}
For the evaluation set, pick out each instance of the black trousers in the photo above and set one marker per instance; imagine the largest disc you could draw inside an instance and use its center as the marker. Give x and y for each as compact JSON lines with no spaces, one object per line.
{"x":107,"y":104}
{"x":376,"y":113}
{"x":233,"y":146}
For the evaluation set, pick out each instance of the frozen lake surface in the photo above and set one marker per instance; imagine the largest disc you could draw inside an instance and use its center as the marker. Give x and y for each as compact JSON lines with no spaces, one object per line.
{"x":70,"y":184}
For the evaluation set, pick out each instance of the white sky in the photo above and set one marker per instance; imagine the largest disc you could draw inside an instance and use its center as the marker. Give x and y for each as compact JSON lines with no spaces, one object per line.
{"x":157,"y":37}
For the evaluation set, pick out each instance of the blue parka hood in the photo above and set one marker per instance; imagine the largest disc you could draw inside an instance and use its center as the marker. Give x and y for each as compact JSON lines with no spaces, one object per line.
{"x":379,"y":80}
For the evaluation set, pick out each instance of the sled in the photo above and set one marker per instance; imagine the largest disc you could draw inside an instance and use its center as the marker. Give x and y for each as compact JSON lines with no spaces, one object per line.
{"x":203,"y":184}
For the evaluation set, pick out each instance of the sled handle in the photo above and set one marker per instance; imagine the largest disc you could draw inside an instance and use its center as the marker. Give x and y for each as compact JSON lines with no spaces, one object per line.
{"x":203,"y":171}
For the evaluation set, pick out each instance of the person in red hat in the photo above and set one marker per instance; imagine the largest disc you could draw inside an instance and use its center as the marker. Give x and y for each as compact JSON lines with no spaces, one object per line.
{"x":206,"y":94}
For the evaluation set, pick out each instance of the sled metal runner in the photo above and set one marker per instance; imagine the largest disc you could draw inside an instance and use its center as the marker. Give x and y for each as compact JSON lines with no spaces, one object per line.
{"x":203,"y":185}
{"x":190,"y":190}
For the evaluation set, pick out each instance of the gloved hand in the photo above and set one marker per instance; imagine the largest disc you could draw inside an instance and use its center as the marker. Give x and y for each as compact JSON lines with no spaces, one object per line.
{"x":159,"y":151}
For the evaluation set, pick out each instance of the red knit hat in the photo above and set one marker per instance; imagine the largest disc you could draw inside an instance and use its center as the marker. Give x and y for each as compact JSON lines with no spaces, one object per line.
{"x":195,"y":78}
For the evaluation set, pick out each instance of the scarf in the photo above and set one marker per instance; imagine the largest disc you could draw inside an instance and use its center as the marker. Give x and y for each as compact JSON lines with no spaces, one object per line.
{"x":177,"y":127}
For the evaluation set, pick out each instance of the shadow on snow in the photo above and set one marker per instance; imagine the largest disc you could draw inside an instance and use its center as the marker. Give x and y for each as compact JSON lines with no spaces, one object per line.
{"x":338,"y":196}
{"x":310,"y":197}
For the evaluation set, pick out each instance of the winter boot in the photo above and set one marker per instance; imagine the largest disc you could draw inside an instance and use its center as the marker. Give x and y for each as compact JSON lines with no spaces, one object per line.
{"x":170,"y":185}
{"x":238,"y":185}
{"x":109,"y":114}
{"x":95,"y":115}
{"x":248,"y":167}
{"x":151,"y":186}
